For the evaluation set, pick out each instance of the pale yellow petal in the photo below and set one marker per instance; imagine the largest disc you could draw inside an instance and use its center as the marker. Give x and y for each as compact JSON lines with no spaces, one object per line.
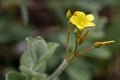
{"x":81,"y":18}
{"x":74,"y":20}
{"x":79,"y":13}
{"x":90,"y":24}
{"x":80,"y":27}
{"x":90,"y":17}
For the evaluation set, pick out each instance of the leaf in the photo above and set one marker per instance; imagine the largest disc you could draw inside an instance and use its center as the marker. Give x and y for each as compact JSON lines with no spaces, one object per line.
{"x":39,"y":46}
{"x":41,"y":67}
{"x":27,"y":71}
{"x":34,"y":75}
{"x":31,"y":53}
{"x":40,"y":76}
{"x":15,"y":76}
{"x":34,"y":58}
{"x":26,"y":60}
{"x":36,"y":48}
{"x":51,"y":49}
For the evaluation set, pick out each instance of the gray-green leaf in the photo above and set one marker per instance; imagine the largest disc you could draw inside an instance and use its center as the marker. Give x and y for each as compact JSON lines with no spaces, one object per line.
{"x":36,"y":47}
{"x":51,"y":49}
{"x":15,"y":76}
{"x":27,"y":71}
{"x":26,"y":60}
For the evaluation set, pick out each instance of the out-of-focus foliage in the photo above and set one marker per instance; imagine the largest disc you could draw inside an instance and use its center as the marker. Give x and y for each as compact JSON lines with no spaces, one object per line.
{"x":15,"y":76}
{"x":113,"y":32}
{"x":11,"y":31}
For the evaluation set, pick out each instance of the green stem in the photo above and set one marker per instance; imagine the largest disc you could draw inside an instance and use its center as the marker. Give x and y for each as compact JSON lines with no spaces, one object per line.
{"x":85,"y":34}
{"x":76,"y":46}
{"x":59,"y":70}
{"x":74,"y":50}
{"x":84,"y":51}
{"x":67,"y":44}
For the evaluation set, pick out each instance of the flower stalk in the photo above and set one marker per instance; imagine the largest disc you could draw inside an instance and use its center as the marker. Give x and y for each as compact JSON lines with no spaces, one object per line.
{"x":68,"y":37}
{"x":81,"y":21}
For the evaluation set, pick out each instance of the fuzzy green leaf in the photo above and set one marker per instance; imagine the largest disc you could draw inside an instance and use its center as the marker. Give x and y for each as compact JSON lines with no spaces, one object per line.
{"x":36,"y":48}
{"x":26,"y":60}
{"x":41,"y":67}
{"x":39,"y":76}
{"x":51,"y":49}
{"x":27,"y":71}
{"x":39,"y":46}
{"x":15,"y":76}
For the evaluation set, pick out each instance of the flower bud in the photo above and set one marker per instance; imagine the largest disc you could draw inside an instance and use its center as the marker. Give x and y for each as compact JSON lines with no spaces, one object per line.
{"x":68,"y":14}
{"x":99,"y":44}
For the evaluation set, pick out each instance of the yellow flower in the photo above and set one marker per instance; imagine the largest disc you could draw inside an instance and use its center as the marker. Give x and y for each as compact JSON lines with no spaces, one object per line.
{"x":81,"y":20}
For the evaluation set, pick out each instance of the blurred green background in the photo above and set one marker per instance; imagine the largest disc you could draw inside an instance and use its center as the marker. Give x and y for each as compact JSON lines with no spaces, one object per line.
{"x":22,"y":18}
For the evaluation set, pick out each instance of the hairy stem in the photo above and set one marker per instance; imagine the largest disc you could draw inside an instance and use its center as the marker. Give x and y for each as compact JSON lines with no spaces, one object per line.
{"x":59,"y":70}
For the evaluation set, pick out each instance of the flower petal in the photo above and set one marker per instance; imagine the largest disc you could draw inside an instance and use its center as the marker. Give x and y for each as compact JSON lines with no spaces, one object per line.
{"x":79,"y":27}
{"x":79,"y":13}
{"x":90,"y":17}
{"x":90,"y":24}
{"x":74,"y":20}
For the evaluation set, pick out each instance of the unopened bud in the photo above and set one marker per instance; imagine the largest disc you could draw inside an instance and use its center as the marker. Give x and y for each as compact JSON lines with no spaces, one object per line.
{"x":99,"y":44}
{"x":68,"y":14}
